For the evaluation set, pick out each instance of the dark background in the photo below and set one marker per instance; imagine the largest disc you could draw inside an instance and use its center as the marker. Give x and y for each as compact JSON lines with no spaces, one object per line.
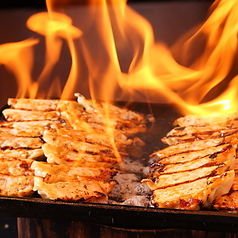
{"x":41,"y":3}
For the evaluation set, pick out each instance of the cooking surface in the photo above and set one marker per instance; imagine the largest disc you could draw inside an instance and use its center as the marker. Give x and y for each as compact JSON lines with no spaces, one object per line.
{"x":119,"y":216}
{"x":126,"y":216}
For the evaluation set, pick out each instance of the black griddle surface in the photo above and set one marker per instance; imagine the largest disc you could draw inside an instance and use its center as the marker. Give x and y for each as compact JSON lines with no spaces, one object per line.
{"x":127,"y":217}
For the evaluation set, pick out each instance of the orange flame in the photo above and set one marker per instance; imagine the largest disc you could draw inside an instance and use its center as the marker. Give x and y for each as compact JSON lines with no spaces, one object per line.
{"x":113,"y":51}
{"x":54,"y":27}
{"x":12,"y":55}
{"x":189,"y":87}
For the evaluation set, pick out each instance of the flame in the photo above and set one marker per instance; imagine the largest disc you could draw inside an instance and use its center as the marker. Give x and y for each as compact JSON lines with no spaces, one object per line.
{"x":11,"y":55}
{"x":114,"y":56}
{"x":189,"y":87}
{"x":54,"y":27}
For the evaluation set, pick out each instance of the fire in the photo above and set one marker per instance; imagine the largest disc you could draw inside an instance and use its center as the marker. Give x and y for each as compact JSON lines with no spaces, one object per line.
{"x":11,"y":56}
{"x":195,"y":88}
{"x":54,"y":27}
{"x":114,"y":56}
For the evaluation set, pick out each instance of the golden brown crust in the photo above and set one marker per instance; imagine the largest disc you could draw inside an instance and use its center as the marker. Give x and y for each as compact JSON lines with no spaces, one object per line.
{"x":195,"y":194}
{"x":74,"y":139}
{"x":16,"y":167}
{"x":61,"y":173}
{"x":15,"y":142}
{"x":199,"y":144}
{"x":227,"y":201}
{"x":74,"y":190}
{"x":23,"y":115}
{"x":16,"y":186}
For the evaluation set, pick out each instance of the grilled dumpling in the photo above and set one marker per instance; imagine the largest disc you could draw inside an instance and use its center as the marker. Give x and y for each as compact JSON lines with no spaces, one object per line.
{"x":20,"y":142}
{"x":177,"y":171}
{"x":22,"y":153}
{"x":195,"y":145}
{"x":42,"y":104}
{"x":228,"y":201}
{"x":89,"y":135}
{"x":77,"y":144}
{"x":23,"y":115}
{"x":16,"y":167}
{"x":215,"y":118}
{"x":74,"y":140}
{"x":61,"y":155}
{"x":195,"y":194}
{"x":198,"y":165}
{"x":16,"y":186}
{"x":164,"y":180}
{"x":122,"y":113}
{"x":216,"y":153}
{"x":187,"y":134}
{"x":28,"y":128}
{"x":187,"y":156}
{"x":83,"y":189}
{"x":216,"y":158}
{"x":102,"y":121}
{"x":53,"y":173}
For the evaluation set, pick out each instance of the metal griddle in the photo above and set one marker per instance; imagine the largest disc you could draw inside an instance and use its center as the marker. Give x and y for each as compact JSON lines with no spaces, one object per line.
{"x":127,"y":217}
